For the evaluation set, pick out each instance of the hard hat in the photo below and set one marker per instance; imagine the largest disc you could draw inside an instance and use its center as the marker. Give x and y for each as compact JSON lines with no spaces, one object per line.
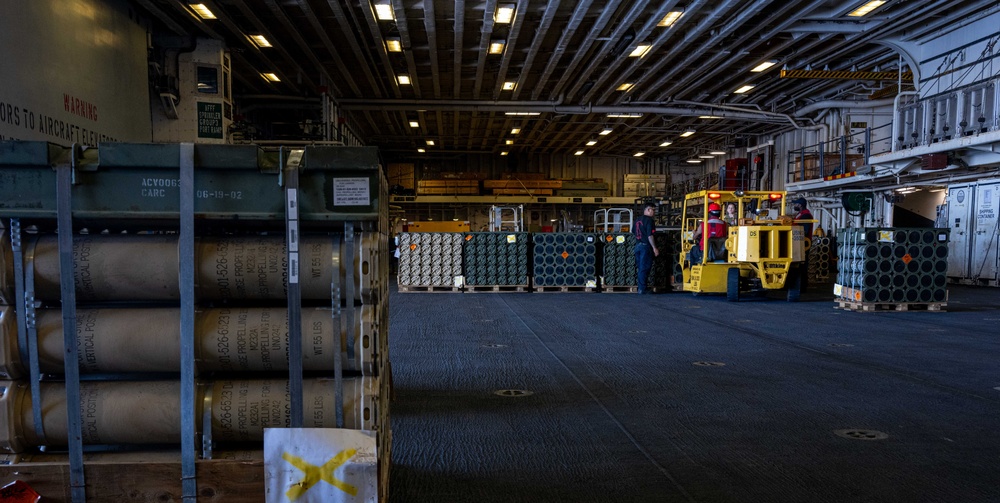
{"x":800,"y":201}
{"x":714,"y":207}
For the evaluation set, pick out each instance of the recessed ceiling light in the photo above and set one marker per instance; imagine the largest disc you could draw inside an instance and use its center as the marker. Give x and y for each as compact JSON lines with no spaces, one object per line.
{"x":706,"y":156}
{"x":522,"y":113}
{"x":604,"y":132}
{"x":503,"y":153}
{"x":260,"y":41}
{"x":403,"y":79}
{"x":578,"y":152}
{"x":763,"y":66}
{"x":866,"y":8}
{"x":638,"y":154}
{"x":687,"y":133}
{"x":515,"y":130}
{"x":430,"y":143}
{"x":504,"y":14}
{"x":496,"y":47}
{"x":743,"y":89}
{"x":666,"y":144}
{"x":670,"y":18}
{"x":508,"y":142}
{"x":508,"y":86}
{"x":718,"y":152}
{"x":271,"y":77}
{"x":393,"y":45}
{"x":639,"y":51}
{"x":591,"y":143}
{"x":694,"y":161}
{"x":414,"y":124}
{"x":625,"y":87}
{"x":421,"y":150}
{"x":709,"y":117}
{"x":202,"y":11}
{"x":384,"y":11}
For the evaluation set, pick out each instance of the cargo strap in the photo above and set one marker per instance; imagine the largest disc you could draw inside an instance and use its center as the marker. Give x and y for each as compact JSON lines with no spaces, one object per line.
{"x":27,"y":333}
{"x":186,"y":261}
{"x":294,"y":295}
{"x":71,"y":363}
{"x":336,"y":265}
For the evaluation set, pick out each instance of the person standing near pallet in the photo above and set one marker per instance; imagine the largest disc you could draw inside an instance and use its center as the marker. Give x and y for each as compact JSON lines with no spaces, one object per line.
{"x":645,"y":246}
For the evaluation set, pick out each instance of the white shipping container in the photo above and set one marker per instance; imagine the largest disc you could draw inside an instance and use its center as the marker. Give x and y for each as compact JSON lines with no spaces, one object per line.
{"x":975,"y":237}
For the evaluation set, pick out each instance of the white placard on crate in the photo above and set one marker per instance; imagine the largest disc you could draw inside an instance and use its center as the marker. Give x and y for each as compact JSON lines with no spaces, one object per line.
{"x":620,"y":239}
{"x":511,"y":238}
{"x":351,"y":192}
{"x":838,"y":290}
{"x":459,"y":281}
{"x":314,"y":465}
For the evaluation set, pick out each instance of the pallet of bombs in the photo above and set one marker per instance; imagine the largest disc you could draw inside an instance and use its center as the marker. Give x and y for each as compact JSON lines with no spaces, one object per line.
{"x":496,"y":261}
{"x":127,"y":204}
{"x":430,"y":261}
{"x":564,"y":262}
{"x":822,"y":259}
{"x":895,"y":269}
{"x":618,"y":267}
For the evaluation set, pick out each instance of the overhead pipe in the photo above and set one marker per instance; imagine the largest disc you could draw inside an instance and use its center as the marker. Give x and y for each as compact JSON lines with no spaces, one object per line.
{"x":820,"y":105}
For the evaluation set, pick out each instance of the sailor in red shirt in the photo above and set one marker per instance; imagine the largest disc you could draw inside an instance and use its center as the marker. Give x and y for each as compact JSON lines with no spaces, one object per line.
{"x":714,"y":227}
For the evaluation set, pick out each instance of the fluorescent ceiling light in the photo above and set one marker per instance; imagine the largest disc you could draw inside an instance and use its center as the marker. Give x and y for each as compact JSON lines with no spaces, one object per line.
{"x":504,"y":14}
{"x":522,"y":113}
{"x":578,"y":152}
{"x":670,"y":18}
{"x":508,"y":142}
{"x":763,"y":66}
{"x":718,"y":152}
{"x":604,"y":132}
{"x":632,"y":115}
{"x":591,"y":143}
{"x":421,"y":150}
{"x":271,"y":77}
{"x":260,"y":41}
{"x":706,"y":156}
{"x":639,"y":51}
{"x":430,"y":143}
{"x":503,"y":153}
{"x":666,"y":144}
{"x":743,"y":89}
{"x":414,"y":124}
{"x":403,"y":80}
{"x":384,"y":11}
{"x":866,"y":8}
{"x":709,"y":117}
{"x":202,"y":11}
{"x":508,"y":86}
{"x":496,"y":47}
{"x":515,"y":130}
{"x":687,"y":133}
{"x":393,"y":45}
{"x":626,"y":86}
{"x":694,"y":161}
{"x":638,"y":154}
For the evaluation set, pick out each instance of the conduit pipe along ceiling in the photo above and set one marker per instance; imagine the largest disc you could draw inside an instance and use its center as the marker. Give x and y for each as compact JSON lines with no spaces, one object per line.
{"x":568,"y":62}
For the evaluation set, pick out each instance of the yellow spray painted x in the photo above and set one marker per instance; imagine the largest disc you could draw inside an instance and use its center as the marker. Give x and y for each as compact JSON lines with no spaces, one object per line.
{"x":313,"y":474}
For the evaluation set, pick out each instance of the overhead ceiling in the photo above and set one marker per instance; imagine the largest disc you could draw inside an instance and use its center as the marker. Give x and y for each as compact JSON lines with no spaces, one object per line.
{"x":567,"y":60}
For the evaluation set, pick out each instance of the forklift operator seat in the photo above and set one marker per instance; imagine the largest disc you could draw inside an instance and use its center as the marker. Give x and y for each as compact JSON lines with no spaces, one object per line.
{"x":716,"y":249}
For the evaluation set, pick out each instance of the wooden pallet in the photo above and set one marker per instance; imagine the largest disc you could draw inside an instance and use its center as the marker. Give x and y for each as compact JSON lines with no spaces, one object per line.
{"x":429,"y":289}
{"x":871,"y":307}
{"x":564,"y":289}
{"x":633,"y":289}
{"x":495,"y":288}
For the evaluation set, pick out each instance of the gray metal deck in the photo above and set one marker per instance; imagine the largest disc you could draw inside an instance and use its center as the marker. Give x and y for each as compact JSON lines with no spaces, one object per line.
{"x":621,"y":412}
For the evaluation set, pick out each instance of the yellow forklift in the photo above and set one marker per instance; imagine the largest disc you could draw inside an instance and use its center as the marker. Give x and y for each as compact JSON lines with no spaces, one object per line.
{"x":762,"y":249}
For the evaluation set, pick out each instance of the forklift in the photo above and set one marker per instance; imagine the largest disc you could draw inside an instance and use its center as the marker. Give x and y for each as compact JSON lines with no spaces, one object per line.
{"x":763,"y":249}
